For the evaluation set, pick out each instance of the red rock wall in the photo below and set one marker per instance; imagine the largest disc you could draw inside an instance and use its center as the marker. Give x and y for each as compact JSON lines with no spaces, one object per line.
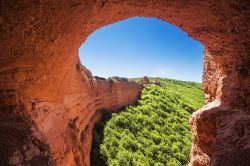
{"x":66,"y":127}
{"x":69,"y":131}
{"x":43,"y":89}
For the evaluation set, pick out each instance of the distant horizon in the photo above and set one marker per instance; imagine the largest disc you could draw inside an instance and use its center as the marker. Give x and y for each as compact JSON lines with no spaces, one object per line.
{"x":148,"y":77}
{"x":140,"y":46}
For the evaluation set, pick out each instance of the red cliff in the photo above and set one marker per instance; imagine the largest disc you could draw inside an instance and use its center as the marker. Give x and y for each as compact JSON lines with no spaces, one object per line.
{"x":69,"y":131}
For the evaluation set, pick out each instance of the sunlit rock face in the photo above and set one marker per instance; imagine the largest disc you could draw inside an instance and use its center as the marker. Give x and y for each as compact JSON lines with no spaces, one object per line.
{"x":48,"y":101}
{"x":60,"y":133}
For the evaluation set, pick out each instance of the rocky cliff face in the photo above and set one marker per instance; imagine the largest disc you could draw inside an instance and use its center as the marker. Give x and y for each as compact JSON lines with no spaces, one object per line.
{"x":61,"y":133}
{"x":47,"y":98}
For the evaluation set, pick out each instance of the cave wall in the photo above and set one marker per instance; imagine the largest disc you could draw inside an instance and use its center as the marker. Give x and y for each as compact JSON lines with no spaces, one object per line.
{"x":52,"y":98}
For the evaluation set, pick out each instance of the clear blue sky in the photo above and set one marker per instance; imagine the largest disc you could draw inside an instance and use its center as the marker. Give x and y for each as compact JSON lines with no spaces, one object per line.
{"x":141,"y":46}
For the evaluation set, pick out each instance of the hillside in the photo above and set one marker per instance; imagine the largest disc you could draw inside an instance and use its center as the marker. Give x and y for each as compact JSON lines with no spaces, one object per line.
{"x":154,"y":132}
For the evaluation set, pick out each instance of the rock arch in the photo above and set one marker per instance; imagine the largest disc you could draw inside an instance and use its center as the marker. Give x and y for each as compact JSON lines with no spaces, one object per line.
{"x":52,"y":98}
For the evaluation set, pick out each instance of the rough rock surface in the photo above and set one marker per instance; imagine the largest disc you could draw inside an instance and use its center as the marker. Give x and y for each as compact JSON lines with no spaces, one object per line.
{"x":47,"y":98}
{"x":65,"y":127}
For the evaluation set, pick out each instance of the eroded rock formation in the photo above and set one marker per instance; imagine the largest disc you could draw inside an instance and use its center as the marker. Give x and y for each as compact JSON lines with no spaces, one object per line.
{"x":47,"y":98}
{"x":61,"y":134}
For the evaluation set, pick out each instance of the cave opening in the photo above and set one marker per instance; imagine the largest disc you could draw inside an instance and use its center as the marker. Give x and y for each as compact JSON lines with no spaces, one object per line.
{"x":135,"y":47}
{"x":42,"y":84}
{"x":143,"y":46}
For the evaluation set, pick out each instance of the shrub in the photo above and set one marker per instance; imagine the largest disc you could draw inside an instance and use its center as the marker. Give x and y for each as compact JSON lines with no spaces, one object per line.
{"x":156,"y":131}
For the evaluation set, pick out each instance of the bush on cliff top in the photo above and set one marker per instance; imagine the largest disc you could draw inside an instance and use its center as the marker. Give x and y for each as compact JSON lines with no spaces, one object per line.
{"x":156,"y":131}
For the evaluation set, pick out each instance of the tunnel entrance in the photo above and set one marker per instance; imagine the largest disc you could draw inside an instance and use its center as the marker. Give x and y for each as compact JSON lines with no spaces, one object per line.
{"x":146,"y":46}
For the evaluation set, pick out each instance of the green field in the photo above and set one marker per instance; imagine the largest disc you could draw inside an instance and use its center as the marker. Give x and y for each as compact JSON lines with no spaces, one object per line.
{"x":156,"y":130}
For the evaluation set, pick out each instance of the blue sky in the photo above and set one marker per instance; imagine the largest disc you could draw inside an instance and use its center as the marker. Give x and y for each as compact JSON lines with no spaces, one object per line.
{"x":141,"y":46}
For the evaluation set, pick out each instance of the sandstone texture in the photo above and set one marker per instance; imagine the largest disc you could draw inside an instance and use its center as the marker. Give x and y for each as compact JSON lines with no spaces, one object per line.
{"x":54,"y":133}
{"x":49,"y":101}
